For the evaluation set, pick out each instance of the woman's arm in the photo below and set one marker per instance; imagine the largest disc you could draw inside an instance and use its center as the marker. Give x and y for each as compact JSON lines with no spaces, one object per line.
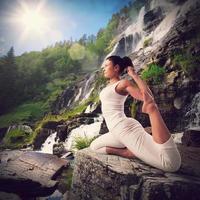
{"x":141,"y":83}
{"x":134,"y":91}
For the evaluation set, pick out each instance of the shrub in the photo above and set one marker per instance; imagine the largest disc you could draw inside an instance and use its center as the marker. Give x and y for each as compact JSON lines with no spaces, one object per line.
{"x":82,"y":142}
{"x":188,"y":63}
{"x":153,"y":73}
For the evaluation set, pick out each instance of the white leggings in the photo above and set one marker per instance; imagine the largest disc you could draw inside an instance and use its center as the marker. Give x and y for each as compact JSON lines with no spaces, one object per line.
{"x":131,"y":134}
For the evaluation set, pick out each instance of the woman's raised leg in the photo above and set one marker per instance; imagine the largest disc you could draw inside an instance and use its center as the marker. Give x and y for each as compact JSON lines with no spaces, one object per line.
{"x":160,"y":131}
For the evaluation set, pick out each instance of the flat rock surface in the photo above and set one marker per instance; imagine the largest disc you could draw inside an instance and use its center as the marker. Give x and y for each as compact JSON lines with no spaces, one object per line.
{"x":102,"y":176}
{"x":29,"y":173}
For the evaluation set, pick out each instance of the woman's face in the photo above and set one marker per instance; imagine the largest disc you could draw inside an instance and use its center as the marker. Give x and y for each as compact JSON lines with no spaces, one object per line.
{"x":109,"y":70}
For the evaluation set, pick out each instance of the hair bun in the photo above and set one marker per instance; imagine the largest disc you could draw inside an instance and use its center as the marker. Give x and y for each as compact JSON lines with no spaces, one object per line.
{"x":127,"y":61}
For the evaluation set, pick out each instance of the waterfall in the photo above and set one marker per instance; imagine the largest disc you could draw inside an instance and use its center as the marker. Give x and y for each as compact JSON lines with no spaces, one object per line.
{"x":167,"y":23}
{"x":86,"y":130}
{"x":47,"y":146}
{"x":129,"y":39}
{"x":87,"y":85}
{"x":89,"y":131}
{"x":78,"y":95}
{"x":193,"y":113}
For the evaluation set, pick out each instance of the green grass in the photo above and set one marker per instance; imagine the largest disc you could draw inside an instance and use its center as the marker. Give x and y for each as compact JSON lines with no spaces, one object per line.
{"x":29,"y":111}
{"x":16,"y":139}
{"x":189,"y":64}
{"x":153,"y":73}
{"x":82,"y":142}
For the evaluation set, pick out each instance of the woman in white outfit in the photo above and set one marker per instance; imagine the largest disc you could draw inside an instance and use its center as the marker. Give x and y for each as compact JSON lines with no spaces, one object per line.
{"x":126,"y":136}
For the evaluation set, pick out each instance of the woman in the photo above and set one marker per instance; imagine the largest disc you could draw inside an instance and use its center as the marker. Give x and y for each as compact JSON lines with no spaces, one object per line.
{"x":126,"y":136}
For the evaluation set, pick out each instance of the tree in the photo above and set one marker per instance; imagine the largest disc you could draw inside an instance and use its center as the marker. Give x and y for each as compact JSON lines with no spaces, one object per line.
{"x":8,"y":82}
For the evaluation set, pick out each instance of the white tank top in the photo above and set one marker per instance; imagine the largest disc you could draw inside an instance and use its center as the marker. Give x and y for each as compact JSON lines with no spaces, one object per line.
{"x":112,"y":105}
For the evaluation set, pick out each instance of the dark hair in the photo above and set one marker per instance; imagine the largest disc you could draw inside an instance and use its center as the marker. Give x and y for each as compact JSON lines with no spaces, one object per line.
{"x":122,"y":62}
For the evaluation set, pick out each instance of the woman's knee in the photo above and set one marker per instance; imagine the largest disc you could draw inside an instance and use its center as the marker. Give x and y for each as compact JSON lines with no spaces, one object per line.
{"x":172,"y":165}
{"x":93,"y":145}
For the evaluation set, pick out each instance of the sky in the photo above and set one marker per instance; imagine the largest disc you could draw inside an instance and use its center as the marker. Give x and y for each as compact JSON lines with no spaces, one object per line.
{"x":32,"y":25}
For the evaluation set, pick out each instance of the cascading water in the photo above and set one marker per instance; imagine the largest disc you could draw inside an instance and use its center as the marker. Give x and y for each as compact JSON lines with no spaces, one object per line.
{"x":47,"y":146}
{"x":82,"y":131}
{"x":88,"y":130}
{"x":193,"y":113}
{"x":130,"y":37}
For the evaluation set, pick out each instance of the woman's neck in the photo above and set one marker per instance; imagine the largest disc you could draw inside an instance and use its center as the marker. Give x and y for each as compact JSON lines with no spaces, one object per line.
{"x":112,"y":81}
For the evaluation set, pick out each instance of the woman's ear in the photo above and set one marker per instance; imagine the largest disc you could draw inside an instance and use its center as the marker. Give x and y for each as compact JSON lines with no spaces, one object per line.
{"x":116,"y":68}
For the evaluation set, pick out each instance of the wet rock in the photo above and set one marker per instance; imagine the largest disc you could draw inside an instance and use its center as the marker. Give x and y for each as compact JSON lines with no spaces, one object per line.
{"x":152,"y":18}
{"x":191,"y":137}
{"x":51,"y":125}
{"x":59,"y":149}
{"x":105,"y":177}
{"x":9,"y":196}
{"x":3,"y":132}
{"x":29,"y":173}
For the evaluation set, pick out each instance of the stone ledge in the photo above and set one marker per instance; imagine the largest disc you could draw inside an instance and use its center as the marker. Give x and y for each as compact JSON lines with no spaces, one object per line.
{"x":105,"y":177}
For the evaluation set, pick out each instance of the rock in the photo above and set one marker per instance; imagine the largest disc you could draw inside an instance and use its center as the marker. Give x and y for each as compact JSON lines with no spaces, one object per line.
{"x":59,"y":149}
{"x":9,"y":196}
{"x":51,"y":125}
{"x":152,"y":18}
{"x":178,"y":103}
{"x":25,"y":128}
{"x":29,"y":173}
{"x":171,"y":77}
{"x":105,"y":177}
{"x":3,"y":132}
{"x":191,"y":137}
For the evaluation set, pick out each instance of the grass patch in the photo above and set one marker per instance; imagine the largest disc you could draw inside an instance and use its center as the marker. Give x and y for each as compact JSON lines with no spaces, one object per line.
{"x":189,"y":64}
{"x":82,"y":142}
{"x":16,"y":139}
{"x":153,"y":73}
{"x":29,"y":111}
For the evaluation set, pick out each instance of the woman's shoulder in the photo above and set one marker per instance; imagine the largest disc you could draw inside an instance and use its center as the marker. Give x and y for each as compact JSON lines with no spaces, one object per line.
{"x":125,"y":82}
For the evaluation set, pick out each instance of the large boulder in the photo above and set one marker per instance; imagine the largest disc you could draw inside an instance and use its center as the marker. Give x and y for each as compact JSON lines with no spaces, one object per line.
{"x":105,"y":177}
{"x":29,"y":173}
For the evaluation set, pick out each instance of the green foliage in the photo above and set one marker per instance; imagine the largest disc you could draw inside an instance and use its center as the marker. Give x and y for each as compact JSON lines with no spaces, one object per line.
{"x":188,"y":63}
{"x":147,"y":42}
{"x":25,"y":112}
{"x":153,"y":73}
{"x":16,"y":139}
{"x":82,"y":142}
{"x":9,"y":96}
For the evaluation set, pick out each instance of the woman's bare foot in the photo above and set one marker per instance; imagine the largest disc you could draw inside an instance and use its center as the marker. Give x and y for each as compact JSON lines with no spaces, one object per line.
{"x":149,"y":104}
{"x":124,"y":152}
{"x":127,"y":153}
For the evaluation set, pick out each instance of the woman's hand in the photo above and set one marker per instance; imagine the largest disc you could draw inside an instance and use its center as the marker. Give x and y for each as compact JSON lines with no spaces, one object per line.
{"x":131,"y":71}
